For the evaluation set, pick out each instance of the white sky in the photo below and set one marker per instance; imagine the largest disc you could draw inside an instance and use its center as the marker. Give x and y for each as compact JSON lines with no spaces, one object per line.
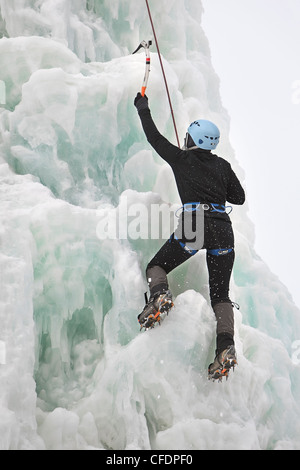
{"x":255,"y":46}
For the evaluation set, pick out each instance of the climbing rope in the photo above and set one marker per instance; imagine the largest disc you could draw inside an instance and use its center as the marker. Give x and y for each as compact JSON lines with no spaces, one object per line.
{"x":163,"y":72}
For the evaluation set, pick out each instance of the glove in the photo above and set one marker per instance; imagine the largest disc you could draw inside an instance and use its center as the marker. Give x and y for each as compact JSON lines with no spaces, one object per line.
{"x":141,"y":102}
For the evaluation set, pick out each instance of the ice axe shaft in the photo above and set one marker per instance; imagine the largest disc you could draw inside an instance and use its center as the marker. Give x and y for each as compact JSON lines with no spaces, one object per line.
{"x":146,"y":46}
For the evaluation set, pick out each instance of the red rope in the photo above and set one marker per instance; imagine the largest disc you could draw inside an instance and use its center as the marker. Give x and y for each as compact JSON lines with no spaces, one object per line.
{"x":163,"y":72}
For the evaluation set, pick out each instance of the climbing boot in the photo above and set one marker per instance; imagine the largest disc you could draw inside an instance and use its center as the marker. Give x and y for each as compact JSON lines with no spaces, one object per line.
{"x":223,"y":362}
{"x":155,"y":310}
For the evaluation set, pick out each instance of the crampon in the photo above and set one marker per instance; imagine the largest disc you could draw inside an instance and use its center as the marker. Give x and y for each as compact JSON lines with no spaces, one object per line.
{"x":155,"y":310}
{"x":222,"y":364}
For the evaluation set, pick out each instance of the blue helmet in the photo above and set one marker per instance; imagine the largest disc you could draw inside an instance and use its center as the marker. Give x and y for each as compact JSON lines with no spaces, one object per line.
{"x":205,"y":134}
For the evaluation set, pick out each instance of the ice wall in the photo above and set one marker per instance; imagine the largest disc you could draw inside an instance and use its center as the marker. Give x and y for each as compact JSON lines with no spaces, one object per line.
{"x":77,"y":372}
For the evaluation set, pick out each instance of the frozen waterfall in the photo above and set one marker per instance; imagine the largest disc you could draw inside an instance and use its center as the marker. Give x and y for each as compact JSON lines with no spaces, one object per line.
{"x":75,"y":371}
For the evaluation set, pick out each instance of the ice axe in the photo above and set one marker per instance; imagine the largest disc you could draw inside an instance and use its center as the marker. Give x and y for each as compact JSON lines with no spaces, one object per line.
{"x":146,"y":46}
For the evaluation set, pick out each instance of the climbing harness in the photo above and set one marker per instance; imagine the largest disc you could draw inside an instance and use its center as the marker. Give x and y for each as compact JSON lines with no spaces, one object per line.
{"x":146,"y":46}
{"x":207,"y":206}
{"x":222,"y":210}
{"x":197,"y":206}
{"x":188,"y":249}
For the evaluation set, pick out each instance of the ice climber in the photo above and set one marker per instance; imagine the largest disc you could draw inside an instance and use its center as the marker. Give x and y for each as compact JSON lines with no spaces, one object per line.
{"x":203,"y":180}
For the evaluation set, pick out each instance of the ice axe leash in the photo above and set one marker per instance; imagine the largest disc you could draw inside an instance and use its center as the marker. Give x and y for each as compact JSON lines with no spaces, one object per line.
{"x":147,"y":50}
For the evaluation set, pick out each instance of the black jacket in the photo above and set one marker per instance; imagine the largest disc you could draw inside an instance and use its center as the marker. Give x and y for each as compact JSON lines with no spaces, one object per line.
{"x":200,"y":175}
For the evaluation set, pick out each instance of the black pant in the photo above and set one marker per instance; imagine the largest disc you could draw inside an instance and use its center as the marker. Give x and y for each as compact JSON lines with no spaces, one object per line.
{"x":218,"y":234}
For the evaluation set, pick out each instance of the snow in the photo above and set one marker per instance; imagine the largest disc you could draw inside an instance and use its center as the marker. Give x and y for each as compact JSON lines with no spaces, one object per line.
{"x":75,"y":371}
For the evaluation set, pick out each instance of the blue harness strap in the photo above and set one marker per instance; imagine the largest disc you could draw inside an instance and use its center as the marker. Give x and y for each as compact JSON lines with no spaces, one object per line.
{"x":212,"y":207}
{"x":221,"y":206}
{"x":184,"y":246}
{"x":220,"y":251}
